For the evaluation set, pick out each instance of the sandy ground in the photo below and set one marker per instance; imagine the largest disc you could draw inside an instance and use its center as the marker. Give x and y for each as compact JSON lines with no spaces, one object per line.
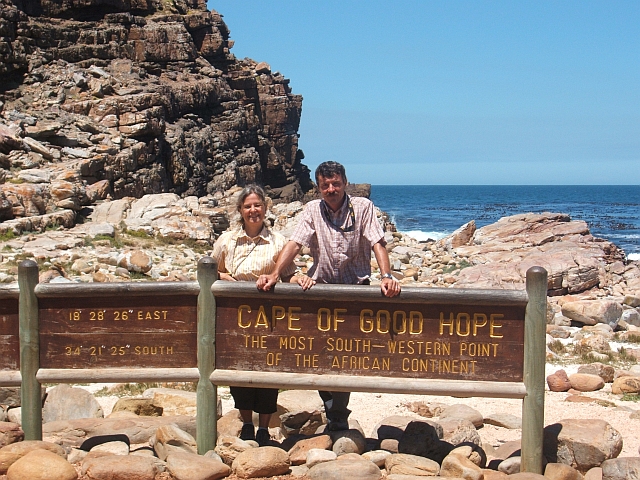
{"x":369,"y":409}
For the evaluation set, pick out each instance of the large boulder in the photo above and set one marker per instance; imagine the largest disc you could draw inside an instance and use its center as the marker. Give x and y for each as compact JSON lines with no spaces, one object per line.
{"x":592,"y":312}
{"x":586,"y":382}
{"x":68,"y":403}
{"x":626,"y":384}
{"x":581,"y":444}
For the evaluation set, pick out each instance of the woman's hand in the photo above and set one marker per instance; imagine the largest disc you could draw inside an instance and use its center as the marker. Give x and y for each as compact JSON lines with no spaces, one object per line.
{"x":226,"y":276}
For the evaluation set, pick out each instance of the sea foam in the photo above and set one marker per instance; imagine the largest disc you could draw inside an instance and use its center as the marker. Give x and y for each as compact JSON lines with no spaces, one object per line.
{"x":421,"y":236}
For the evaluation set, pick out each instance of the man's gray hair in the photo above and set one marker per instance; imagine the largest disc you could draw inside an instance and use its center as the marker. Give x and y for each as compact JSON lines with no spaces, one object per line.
{"x":329,"y":169}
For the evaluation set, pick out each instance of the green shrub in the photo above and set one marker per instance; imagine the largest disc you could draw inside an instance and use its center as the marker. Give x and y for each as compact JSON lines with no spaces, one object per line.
{"x":8,"y":235}
{"x":625,"y":356}
{"x":138,"y":234}
{"x":557,"y":347}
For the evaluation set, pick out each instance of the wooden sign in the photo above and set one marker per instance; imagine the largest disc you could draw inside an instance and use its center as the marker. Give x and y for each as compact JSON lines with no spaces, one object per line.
{"x":371,"y":338}
{"x":158,"y":331}
{"x":9,"y":334}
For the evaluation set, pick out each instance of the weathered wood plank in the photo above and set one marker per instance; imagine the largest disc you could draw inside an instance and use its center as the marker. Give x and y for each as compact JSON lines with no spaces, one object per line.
{"x":323,"y":292}
{"x":129,"y":289}
{"x":117,"y":375}
{"x":456,"y":388}
{"x":10,"y":378}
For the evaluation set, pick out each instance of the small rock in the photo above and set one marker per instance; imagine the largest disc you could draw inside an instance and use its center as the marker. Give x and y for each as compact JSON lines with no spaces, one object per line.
{"x":404,"y":464}
{"x":190,"y":466}
{"x":626,"y":385}
{"x":41,"y":465}
{"x":261,"y":462}
{"x":559,"y":381}
{"x":318,"y":455}
{"x":560,"y":471}
{"x":298,"y":454}
{"x":349,"y":441}
{"x":504,"y":420}
{"x":455,"y":465}
{"x":585,"y":382}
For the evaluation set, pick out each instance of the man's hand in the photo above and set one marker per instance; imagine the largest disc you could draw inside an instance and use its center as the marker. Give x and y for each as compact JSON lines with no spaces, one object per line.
{"x":305,"y":282}
{"x":265,"y":282}
{"x":390,"y":287}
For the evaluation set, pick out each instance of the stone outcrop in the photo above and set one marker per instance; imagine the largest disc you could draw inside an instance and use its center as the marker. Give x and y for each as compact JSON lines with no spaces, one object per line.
{"x":111,"y":99}
{"x":502,"y":253}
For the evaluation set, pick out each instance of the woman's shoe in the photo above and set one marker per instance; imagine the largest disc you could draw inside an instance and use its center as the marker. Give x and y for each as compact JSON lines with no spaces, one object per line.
{"x":262,"y":437}
{"x":247,"y":432}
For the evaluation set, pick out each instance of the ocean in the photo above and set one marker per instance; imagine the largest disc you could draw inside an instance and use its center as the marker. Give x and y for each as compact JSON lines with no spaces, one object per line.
{"x":434,"y":211}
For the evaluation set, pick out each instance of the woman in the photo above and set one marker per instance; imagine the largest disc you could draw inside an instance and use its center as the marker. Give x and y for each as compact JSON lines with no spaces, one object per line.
{"x":245,"y":254}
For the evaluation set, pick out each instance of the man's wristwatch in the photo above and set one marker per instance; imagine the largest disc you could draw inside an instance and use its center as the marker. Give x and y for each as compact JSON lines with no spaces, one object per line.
{"x":387,"y":275}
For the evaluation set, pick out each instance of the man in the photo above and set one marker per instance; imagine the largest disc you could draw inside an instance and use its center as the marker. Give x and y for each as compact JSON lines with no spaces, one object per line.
{"x":341,"y":232}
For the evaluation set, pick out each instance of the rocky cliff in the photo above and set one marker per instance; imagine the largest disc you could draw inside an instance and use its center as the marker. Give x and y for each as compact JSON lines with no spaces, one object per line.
{"x":106,"y":99}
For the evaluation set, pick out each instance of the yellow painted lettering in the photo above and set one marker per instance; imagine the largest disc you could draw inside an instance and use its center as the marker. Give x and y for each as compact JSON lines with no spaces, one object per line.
{"x":240,"y":309}
{"x":479,"y":321}
{"x":463,"y":319}
{"x":366,"y":321}
{"x":416,"y":322}
{"x":324,"y":319}
{"x":261,"y":319}
{"x":493,"y":325}
{"x":293,"y":316}
{"x":399,"y":322}
{"x":387,"y":320}
{"x":444,"y":323}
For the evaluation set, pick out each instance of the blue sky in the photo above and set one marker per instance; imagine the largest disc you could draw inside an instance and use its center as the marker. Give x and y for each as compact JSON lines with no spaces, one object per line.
{"x":457,"y":92}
